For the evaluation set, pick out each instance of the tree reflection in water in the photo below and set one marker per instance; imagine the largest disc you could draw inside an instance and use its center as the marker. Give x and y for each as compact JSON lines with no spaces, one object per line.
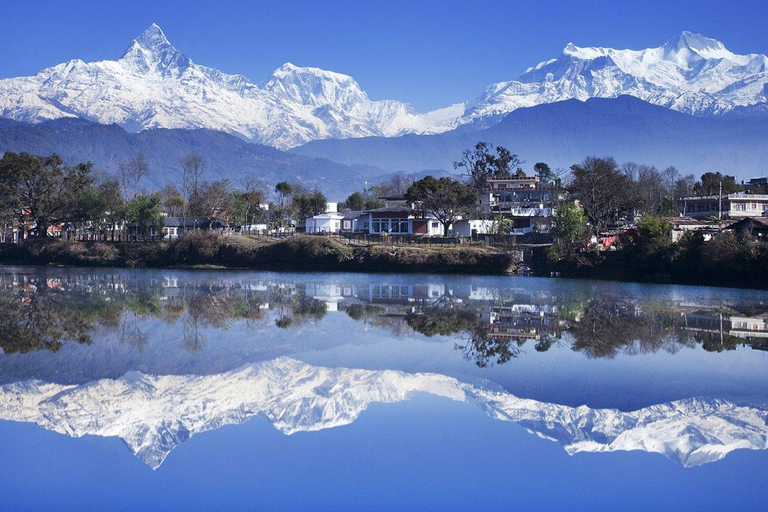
{"x":489,"y":326}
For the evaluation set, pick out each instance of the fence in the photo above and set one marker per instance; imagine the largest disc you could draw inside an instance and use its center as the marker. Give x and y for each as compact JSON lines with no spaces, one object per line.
{"x":506,"y":242}
{"x":365,"y":239}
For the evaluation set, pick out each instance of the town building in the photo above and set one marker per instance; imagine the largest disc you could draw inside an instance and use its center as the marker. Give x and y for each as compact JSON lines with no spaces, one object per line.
{"x":329,"y":222}
{"x":524,"y":200}
{"x":472,"y":227}
{"x":755,"y":226}
{"x":400,"y":220}
{"x":683,"y":225}
{"x":739,"y":205}
{"x":337,"y":222}
{"x":756,"y":186}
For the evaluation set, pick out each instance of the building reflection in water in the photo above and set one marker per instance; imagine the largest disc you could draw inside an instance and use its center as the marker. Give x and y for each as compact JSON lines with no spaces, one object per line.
{"x":491,"y":325}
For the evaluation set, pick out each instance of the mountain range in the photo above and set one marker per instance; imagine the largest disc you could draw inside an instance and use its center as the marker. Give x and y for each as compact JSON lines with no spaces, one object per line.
{"x":154,"y":414}
{"x":154,"y":85}
{"x":563,"y":133}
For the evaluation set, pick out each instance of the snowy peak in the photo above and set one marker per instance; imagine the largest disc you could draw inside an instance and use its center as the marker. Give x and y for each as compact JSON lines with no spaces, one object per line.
{"x":315,"y":87}
{"x":153,"y":39}
{"x":697,"y":43}
{"x":152,"y":52}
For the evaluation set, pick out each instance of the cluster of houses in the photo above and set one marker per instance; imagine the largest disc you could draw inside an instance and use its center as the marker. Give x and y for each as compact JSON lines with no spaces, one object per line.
{"x":527,"y":205}
{"x":524,"y":202}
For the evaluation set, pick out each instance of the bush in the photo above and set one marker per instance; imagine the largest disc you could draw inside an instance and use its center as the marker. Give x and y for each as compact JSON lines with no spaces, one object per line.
{"x":194,"y":248}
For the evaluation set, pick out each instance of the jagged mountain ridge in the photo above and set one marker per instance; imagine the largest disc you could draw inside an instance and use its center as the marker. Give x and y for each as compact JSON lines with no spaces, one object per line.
{"x":689,"y":73}
{"x":154,"y":414}
{"x":153,"y":85}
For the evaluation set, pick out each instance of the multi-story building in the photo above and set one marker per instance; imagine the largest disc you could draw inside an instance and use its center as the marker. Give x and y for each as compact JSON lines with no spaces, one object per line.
{"x":525,"y":201}
{"x":739,"y":205}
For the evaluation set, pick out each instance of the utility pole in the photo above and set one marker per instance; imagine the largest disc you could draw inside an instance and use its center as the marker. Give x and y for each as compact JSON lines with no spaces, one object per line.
{"x":720,"y":201}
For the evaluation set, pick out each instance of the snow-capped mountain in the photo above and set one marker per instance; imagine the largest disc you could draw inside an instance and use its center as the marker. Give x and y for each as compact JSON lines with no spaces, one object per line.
{"x":689,"y":73}
{"x":153,"y":85}
{"x":154,"y":414}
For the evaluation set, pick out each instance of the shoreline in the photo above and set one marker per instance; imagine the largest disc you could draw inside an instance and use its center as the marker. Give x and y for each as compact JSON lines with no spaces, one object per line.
{"x":299,"y":254}
{"x":317,"y":254}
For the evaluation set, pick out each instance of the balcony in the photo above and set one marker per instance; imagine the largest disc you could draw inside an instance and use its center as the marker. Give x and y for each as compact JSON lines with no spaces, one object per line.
{"x":521,"y":212}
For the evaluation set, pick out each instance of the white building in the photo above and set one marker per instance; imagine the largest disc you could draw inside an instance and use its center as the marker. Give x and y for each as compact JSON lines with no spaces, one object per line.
{"x":728,"y":206}
{"x":324,"y":223}
{"x":467,"y":228}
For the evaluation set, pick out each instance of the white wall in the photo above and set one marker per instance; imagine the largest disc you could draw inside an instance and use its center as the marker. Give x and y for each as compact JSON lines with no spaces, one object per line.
{"x":323,"y":224}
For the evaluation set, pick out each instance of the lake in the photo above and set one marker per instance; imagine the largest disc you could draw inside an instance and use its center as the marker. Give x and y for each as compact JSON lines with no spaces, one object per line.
{"x":196,"y":390}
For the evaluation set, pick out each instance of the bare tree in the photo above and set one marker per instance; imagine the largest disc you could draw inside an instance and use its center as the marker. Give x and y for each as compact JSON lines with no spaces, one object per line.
{"x":193,"y":167}
{"x":252,"y":197}
{"x":131,"y":173}
{"x":670,"y":175}
{"x":684,"y":185}
{"x":480,"y":164}
{"x":216,"y":199}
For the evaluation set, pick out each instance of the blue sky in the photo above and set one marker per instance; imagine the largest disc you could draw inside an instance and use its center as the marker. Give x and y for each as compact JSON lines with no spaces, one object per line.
{"x":429,"y":53}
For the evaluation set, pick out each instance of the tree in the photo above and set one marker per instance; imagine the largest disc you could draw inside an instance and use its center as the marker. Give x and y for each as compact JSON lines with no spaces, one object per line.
{"x":42,"y":188}
{"x":368,"y":199}
{"x":648,"y":187}
{"x":114,"y":203}
{"x":253,"y":197}
{"x":283,"y":190}
{"x":445,"y":198}
{"x":684,"y":186}
{"x":546,"y":175}
{"x":172,"y":201}
{"x":144,"y":212}
{"x":396,"y":185}
{"x":131,"y":173}
{"x":569,"y":225}
{"x":501,"y":225}
{"x":670,"y":176}
{"x":193,"y":168}
{"x":247,"y":203}
{"x":89,"y":207}
{"x":215,"y":199}
{"x":355,"y":202}
{"x":710,"y":184}
{"x":480,"y":164}
{"x":307,"y":204}
{"x":603,"y":191}
{"x":655,"y":234}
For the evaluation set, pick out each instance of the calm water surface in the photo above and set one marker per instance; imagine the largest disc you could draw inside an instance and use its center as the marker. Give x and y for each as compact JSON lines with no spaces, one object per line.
{"x":170,"y":390}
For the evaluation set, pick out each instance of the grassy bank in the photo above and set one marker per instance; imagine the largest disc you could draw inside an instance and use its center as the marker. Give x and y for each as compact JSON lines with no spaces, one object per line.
{"x":303,"y":253}
{"x":725,"y":260}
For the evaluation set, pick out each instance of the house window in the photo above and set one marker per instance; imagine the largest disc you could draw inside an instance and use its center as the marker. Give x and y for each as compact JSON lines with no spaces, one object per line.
{"x":336,"y":225}
{"x":435,"y":225}
{"x":347,"y":224}
{"x":376,"y":226}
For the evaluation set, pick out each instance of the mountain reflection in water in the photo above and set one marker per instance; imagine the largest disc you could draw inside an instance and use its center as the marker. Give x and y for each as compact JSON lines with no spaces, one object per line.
{"x":154,"y":414}
{"x":115,"y":354}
